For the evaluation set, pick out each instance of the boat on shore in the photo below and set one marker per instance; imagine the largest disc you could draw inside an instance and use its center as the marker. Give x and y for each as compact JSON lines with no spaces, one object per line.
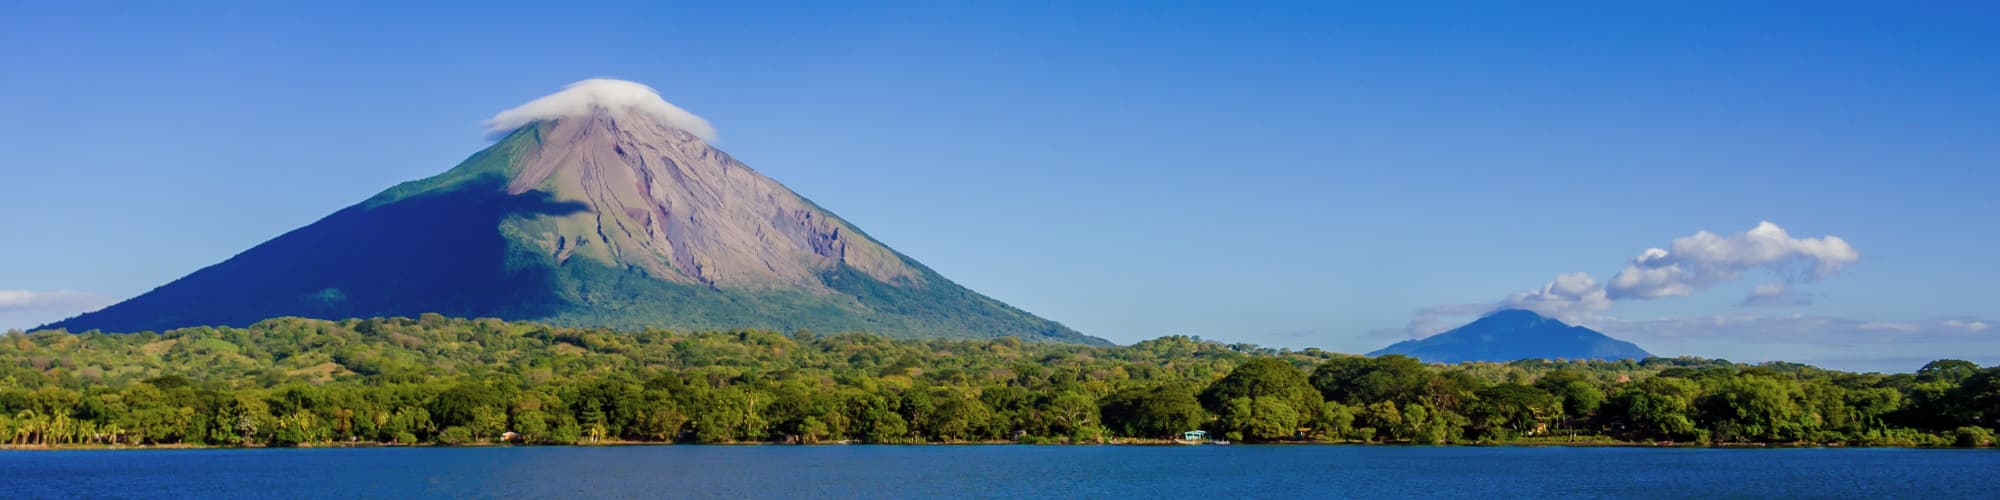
{"x":1198,"y":437}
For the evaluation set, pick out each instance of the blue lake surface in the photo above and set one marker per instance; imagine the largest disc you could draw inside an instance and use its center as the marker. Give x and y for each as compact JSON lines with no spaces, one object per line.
{"x":1001,"y":471}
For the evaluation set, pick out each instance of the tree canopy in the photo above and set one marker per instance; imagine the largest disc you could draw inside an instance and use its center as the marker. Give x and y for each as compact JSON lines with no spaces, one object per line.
{"x":291,"y":381}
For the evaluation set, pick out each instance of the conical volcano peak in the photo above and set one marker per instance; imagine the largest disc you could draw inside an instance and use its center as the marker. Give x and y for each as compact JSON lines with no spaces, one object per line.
{"x":1517,"y":317}
{"x":601,"y":96}
{"x":602,"y":205}
{"x":1511,"y":334}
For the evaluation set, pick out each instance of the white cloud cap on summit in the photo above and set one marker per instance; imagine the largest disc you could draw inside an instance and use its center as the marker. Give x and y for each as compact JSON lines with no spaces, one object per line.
{"x":1571,"y":298}
{"x":584,"y":97}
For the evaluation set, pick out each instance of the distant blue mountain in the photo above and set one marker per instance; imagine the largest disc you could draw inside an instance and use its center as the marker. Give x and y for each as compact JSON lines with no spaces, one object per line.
{"x":1515,"y":334}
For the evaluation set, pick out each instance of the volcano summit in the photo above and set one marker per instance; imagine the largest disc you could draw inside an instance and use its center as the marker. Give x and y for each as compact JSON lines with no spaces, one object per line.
{"x":601,"y":205}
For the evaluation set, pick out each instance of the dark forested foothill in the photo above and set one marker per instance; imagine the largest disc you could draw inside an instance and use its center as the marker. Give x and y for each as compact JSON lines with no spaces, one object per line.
{"x":301,"y":382}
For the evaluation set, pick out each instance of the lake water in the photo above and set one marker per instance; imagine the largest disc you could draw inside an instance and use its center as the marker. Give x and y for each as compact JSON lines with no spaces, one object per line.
{"x":1001,"y":471}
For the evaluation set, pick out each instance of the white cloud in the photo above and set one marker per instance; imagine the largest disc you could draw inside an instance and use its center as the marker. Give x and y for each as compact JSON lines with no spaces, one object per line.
{"x":1775,"y":295}
{"x":28,"y":308}
{"x":1800,"y":329}
{"x":1436,"y":319}
{"x":1889,"y":326}
{"x":600,"y":94}
{"x":1694,"y":263}
{"x":1571,"y":298}
{"x":1826,"y":341}
{"x":58,"y":300}
{"x":1965,"y":326}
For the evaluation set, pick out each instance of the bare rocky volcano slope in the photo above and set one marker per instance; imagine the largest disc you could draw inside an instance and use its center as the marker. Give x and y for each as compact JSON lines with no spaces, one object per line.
{"x":663,"y":201}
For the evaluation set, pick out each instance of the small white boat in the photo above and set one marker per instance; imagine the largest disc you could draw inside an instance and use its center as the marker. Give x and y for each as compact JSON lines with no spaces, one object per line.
{"x":1193,"y":437}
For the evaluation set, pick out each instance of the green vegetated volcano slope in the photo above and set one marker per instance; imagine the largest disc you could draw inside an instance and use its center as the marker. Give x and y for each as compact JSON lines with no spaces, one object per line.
{"x":602,"y":220}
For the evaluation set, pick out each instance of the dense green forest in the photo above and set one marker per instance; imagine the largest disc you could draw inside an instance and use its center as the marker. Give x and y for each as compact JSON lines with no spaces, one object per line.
{"x":291,"y":382}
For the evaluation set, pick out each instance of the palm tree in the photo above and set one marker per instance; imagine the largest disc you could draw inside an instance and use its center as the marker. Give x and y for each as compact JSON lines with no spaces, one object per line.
{"x":85,"y":432}
{"x":58,"y":430}
{"x":112,"y":431}
{"x":28,"y":425}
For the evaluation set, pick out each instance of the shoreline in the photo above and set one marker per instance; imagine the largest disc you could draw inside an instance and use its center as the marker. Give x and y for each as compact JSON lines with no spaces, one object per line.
{"x":1147,"y":443}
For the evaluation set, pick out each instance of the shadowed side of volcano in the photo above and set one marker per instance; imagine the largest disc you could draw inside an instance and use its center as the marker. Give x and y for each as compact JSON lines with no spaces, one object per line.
{"x":436,"y":252}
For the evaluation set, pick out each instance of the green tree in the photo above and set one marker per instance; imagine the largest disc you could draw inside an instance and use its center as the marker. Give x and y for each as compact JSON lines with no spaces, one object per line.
{"x":1335,"y":421}
{"x":1385,"y":419}
{"x":532,"y":425}
{"x":1758,"y":408}
{"x":1071,"y":413}
{"x":461,"y":404}
{"x":1272,"y":392}
{"x":1394,"y":377}
{"x":1508,"y":410}
{"x":1951,"y":371}
{"x":1159,"y":412}
{"x":1658,"y":408}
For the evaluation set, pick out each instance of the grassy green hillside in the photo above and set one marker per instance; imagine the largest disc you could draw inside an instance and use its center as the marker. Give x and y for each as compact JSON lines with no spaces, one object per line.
{"x":297,"y":381}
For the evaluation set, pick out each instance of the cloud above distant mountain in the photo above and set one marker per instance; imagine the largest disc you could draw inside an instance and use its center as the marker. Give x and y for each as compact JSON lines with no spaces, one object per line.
{"x":1689,"y":265}
{"x":600,"y":94}
{"x":1436,"y":319}
{"x":1695,"y":263}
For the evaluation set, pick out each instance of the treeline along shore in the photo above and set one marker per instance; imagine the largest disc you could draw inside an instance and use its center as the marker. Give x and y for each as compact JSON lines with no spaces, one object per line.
{"x":435,"y":380}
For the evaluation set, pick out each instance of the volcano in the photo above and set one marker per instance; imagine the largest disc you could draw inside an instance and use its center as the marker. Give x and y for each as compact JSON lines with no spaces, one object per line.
{"x":601,"y":205}
{"x":1515,"y":334}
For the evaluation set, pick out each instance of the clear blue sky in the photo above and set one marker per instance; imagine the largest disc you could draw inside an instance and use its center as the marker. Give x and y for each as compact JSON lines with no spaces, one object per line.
{"x":1286,"y":174}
